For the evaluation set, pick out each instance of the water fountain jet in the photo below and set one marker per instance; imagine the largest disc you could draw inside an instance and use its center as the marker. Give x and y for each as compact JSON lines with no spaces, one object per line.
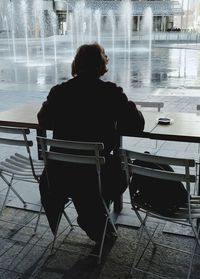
{"x":24,"y":12}
{"x":147,"y":26}
{"x":126,"y":23}
{"x":97,"y":17}
{"x":111,"y":18}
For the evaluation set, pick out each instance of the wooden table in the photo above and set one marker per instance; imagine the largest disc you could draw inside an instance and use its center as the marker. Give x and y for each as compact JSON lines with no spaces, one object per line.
{"x":185,"y":127}
{"x":26,"y":116}
{"x":21,"y":116}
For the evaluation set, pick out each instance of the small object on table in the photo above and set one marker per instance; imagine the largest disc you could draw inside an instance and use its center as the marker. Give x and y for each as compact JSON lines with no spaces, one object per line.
{"x":164,"y":121}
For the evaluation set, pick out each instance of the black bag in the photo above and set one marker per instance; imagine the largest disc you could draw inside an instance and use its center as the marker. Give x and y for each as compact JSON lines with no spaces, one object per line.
{"x":162,"y":196}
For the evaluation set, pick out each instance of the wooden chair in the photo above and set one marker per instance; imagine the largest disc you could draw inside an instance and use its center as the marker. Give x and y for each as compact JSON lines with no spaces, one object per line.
{"x":65,"y":155}
{"x":19,"y":166}
{"x":188,"y":215}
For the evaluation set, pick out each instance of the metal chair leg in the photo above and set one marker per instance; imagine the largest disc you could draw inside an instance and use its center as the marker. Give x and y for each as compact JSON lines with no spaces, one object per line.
{"x":56,"y":231}
{"x":38,"y":219}
{"x":102,"y":241}
{"x":68,"y":220}
{"x":10,"y":187}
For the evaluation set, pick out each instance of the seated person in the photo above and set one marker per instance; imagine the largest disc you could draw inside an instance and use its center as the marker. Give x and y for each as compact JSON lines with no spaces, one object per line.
{"x":86,"y":108}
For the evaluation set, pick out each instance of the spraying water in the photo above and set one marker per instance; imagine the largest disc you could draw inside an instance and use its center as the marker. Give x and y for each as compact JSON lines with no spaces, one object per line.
{"x":7,"y":32}
{"x":126,"y":19}
{"x":54,"y":27}
{"x":97,"y":17}
{"x":111,"y":18}
{"x":39,"y":21}
{"x":147,"y":26}
{"x":85,"y":25}
{"x":24,"y":13}
{"x":13,"y":30}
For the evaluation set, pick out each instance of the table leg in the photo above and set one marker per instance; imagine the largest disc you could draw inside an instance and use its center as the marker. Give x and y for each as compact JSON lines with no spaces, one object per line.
{"x":198,"y":180}
{"x":118,"y":203}
{"x":40,"y":133}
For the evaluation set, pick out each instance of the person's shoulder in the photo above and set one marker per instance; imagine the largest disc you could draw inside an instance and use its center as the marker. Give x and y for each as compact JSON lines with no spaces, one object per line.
{"x":107,"y":83}
{"x":111,"y":86}
{"x":61,"y":86}
{"x":67,"y":83}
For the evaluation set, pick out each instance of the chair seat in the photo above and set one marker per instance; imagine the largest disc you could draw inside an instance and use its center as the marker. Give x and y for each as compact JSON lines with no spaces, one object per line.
{"x":19,"y":166}
{"x":180,"y":215}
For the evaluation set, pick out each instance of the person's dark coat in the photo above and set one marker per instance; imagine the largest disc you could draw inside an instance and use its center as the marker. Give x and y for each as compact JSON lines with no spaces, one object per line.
{"x":87,"y":109}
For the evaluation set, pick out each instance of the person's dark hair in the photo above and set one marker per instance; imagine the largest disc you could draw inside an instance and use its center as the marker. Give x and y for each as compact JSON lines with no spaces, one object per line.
{"x":90,"y":59}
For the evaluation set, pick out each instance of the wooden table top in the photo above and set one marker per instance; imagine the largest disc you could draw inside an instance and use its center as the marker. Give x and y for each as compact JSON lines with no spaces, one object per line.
{"x":184,"y":127}
{"x":21,"y":116}
{"x":26,"y":116}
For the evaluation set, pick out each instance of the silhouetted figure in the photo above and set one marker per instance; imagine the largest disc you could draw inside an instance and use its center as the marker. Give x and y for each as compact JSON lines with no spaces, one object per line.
{"x":85,"y":108}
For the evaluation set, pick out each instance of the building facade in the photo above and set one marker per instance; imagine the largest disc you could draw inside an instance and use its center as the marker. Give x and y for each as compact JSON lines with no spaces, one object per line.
{"x":38,"y":18}
{"x":164,"y":11}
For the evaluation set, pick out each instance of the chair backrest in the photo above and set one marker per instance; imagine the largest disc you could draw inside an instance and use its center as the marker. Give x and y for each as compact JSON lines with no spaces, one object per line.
{"x":164,"y":194}
{"x":64,"y":152}
{"x":128,"y":156}
{"x":15,"y":136}
{"x":157,"y":105}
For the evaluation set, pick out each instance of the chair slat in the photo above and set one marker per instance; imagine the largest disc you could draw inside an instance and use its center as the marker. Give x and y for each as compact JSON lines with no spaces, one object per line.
{"x":14,"y":167}
{"x":11,"y":166}
{"x":158,"y":159}
{"x":71,"y":158}
{"x":14,"y":130}
{"x":72,"y":144}
{"x":25,"y":160}
{"x":13,"y":171}
{"x":15,"y":142}
{"x":162,"y":174}
{"x":12,"y":160}
{"x":24,"y":164}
